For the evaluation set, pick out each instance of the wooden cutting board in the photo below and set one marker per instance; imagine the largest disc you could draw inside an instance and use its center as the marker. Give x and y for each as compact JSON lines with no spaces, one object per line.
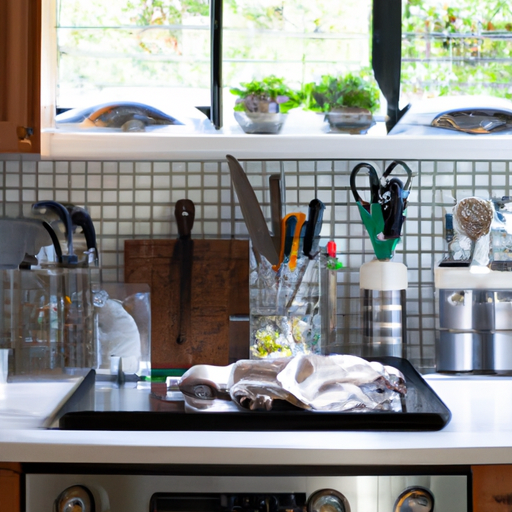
{"x":219,"y":288}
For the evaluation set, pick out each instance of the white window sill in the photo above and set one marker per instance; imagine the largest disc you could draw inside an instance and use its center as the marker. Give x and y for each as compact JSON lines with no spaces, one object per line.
{"x":290,"y":144}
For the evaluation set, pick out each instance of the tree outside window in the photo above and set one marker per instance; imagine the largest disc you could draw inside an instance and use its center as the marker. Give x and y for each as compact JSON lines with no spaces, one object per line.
{"x":159,"y":50}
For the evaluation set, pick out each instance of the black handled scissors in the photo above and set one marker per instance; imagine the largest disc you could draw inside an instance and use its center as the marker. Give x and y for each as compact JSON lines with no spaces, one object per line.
{"x":375,"y":185}
{"x":391,"y":167}
{"x":394,"y":195}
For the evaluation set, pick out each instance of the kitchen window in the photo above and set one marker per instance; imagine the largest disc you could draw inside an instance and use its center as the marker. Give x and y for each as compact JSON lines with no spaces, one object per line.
{"x":159,"y":52}
{"x":155,"y":52}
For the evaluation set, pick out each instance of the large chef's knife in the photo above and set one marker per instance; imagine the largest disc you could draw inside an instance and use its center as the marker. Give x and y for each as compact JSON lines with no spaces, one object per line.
{"x":251,"y":210}
{"x":184,"y":212}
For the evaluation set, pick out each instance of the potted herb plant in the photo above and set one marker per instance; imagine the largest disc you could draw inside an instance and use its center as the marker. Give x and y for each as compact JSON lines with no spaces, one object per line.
{"x":348,"y":102}
{"x":262,"y":105}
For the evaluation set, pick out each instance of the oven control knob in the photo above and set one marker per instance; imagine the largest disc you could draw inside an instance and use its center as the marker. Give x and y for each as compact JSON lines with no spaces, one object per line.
{"x":327,"y":500}
{"x":415,"y":499}
{"x":76,"y":498}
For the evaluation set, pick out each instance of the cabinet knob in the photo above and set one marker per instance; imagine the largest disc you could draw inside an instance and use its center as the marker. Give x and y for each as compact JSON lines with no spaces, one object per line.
{"x":24,"y":133}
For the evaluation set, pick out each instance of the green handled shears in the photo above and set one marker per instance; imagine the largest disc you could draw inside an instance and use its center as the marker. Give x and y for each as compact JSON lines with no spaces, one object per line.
{"x":371,"y":212}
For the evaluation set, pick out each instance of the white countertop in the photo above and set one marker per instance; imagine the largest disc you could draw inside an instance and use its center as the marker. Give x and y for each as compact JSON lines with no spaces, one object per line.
{"x":480,"y":432}
{"x":33,"y":404}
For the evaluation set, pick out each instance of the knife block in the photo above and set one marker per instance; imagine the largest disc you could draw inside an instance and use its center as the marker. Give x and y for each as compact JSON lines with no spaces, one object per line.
{"x":219,"y":290}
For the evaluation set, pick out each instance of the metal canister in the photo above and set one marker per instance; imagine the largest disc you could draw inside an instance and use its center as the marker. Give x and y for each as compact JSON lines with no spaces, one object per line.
{"x":384,"y":326}
{"x":383,"y":293}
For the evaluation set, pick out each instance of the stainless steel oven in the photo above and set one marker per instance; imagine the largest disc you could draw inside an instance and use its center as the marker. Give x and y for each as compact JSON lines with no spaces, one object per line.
{"x":137,"y":492}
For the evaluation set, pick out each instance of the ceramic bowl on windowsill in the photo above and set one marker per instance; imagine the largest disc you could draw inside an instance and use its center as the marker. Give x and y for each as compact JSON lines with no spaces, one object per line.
{"x":260,"y":122}
{"x":352,"y":120}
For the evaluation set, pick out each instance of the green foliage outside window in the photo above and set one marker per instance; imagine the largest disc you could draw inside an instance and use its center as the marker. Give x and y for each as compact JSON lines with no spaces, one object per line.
{"x":449,"y":46}
{"x":457,"y":47}
{"x":165,"y":43}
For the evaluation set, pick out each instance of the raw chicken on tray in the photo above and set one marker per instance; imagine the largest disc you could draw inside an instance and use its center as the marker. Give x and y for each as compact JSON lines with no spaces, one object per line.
{"x":334,"y":383}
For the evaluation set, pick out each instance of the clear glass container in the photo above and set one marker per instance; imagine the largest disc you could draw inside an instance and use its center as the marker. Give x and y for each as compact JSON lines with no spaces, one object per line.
{"x":259,"y":122}
{"x":123,"y":328}
{"x":291,"y":312}
{"x":350,"y":120}
{"x":47,"y":322}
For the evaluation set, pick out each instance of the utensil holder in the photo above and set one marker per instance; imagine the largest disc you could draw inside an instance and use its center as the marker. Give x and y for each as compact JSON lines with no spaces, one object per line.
{"x":475,"y":326}
{"x":383,"y":293}
{"x":47,"y":320}
{"x":291,"y":312}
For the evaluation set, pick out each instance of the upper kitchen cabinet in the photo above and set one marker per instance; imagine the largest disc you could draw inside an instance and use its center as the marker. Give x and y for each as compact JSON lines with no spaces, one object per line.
{"x":20,"y":50}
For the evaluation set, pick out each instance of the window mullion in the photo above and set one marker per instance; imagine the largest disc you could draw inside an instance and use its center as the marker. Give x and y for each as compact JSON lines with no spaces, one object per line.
{"x":216,"y":62}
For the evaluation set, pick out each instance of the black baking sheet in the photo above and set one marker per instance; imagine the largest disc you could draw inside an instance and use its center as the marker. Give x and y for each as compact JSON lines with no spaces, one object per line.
{"x":424,"y":411}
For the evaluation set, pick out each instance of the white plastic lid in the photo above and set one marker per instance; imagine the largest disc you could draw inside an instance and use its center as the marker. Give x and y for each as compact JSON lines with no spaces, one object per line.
{"x":383,"y":276}
{"x":463,"y":278}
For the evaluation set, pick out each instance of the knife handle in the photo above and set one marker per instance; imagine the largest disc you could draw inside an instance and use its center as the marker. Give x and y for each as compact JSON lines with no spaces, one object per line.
{"x":313,"y":227}
{"x":185,"y":212}
{"x":276,"y":207}
{"x":294,"y":253}
{"x":287,"y":231}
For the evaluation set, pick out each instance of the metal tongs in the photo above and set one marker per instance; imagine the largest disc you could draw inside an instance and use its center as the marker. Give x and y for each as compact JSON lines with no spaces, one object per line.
{"x":384,"y":215}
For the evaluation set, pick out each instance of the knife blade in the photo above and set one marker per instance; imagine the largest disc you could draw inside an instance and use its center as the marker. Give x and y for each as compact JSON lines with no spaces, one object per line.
{"x":251,"y":211}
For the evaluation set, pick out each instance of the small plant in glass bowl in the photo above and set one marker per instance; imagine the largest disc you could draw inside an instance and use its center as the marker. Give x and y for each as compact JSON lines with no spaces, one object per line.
{"x":348,"y":102}
{"x":262,"y":105}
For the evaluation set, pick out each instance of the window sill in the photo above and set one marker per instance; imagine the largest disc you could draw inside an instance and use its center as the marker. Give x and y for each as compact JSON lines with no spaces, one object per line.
{"x":165,"y":145}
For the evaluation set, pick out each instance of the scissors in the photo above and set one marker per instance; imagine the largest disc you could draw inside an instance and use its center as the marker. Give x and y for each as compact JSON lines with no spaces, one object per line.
{"x":374,"y":185}
{"x":291,"y":231}
{"x":391,"y":167}
{"x":383,"y":216}
{"x":394,"y":195}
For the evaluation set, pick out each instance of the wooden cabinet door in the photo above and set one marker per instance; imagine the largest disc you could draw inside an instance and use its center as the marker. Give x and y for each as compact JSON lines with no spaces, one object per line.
{"x":20,"y":84}
{"x":10,"y":497}
{"x":492,"y":488}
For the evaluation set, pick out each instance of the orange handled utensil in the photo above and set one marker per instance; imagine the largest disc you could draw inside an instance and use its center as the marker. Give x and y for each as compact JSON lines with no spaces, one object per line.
{"x":301,"y":218}
{"x":291,"y":228}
